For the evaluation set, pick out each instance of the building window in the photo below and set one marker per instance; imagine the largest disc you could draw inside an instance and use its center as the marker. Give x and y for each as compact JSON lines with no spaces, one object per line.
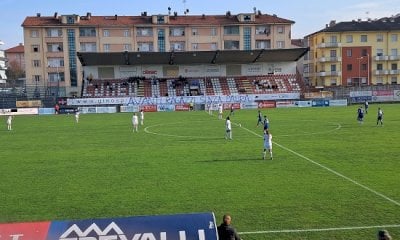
{"x":54,"y":47}
{"x":34,"y":33}
{"x":349,"y":52}
{"x":177,"y":32}
{"x":379,"y":37}
{"x":393,"y":37}
{"x":36,"y":63}
{"x":393,"y":66}
{"x":195,"y":46}
{"x":35,"y":48}
{"x":333,"y":53}
{"x":88,"y":47}
{"x":363,"y":38}
{"x":393,"y":80}
{"x":177,"y":46}
{"x":73,"y":73}
{"x":348,"y":81}
{"x":70,"y":19}
{"x":127,"y":33}
{"x":213,"y":31}
{"x":379,"y":66}
{"x":145,"y":47}
{"x":349,"y":67}
{"x":161,"y":40}
{"x":55,"y":62}
{"x":106,"y":33}
{"x":36,"y":78}
{"x":333,"y":82}
{"x":263,"y":44}
{"x":231,"y":45}
{"x":144,"y":32}
{"x":333,"y":39}
{"x":363,"y":67}
{"x":364,"y":52}
{"x":379,"y":80}
{"x":393,"y":52}
{"x":263,"y":30}
{"x":231,"y":30}
{"x":280,"y":29}
{"x":87,"y":32}
{"x":160,"y":19}
{"x":280,"y":44}
{"x":53,"y":32}
{"x":55,"y":77}
{"x":333,"y":68}
{"x":127,"y":47}
{"x":246,"y":38}
{"x":379,"y":52}
{"x":214,"y":46}
{"x":195,"y":31}
{"x":349,"y":38}
{"x":106,"y":47}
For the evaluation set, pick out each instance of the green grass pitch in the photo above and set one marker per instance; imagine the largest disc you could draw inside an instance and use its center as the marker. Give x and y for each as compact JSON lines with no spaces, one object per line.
{"x":330,"y":178}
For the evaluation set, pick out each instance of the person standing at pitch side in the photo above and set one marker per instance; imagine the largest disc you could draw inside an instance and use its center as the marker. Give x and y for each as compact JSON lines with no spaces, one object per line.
{"x":226,"y":231}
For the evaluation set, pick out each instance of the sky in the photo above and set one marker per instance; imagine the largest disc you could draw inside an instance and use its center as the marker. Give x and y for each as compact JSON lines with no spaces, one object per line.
{"x":309,"y":15}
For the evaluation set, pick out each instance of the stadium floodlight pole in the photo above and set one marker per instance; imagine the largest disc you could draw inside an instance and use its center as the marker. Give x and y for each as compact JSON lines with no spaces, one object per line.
{"x":368,"y":80}
{"x":359,"y":71}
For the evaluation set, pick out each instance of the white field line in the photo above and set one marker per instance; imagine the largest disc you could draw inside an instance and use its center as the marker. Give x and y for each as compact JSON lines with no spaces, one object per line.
{"x":329,"y":170}
{"x":321,"y":229}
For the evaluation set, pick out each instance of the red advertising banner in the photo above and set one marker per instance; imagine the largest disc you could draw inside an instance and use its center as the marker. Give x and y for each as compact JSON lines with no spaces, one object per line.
{"x":182,"y":107}
{"x":227,"y":106}
{"x":24,"y":231}
{"x":267,"y":104}
{"x":149,"y":108}
{"x":382,"y":93}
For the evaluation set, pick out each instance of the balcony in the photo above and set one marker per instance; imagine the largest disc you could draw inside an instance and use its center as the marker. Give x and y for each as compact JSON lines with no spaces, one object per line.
{"x":394,"y":58}
{"x":394,"y":72}
{"x":329,"y":45}
{"x":327,"y":74}
{"x":381,"y":58}
{"x":330,"y":59}
{"x":381,"y":72}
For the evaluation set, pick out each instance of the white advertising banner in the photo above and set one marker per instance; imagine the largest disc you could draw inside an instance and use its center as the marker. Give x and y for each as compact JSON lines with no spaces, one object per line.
{"x":337,"y":103}
{"x":180,"y":99}
{"x":396,"y":95}
{"x":360,"y":93}
{"x":252,"y":69}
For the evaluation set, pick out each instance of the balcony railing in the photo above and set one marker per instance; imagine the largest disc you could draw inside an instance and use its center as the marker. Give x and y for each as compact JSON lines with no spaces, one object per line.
{"x":330,"y":59}
{"x":332,"y":73}
{"x":381,"y":72}
{"x":394,"y":72}
{"x":329,"y":45}
{"x":394,"y":57}
{"x":381,"y":58}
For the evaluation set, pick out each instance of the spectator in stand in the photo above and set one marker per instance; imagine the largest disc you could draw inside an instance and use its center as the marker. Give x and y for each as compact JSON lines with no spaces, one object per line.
{"x":226,"y":231}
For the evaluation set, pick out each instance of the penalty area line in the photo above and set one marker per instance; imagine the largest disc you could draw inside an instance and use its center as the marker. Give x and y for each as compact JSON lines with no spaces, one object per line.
{"x":330,"y":170}
{"x":320,"y":229}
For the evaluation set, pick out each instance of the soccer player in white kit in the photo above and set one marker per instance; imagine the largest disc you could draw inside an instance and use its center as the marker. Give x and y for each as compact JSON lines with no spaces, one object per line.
{"x":267,"y":144}
{"x":220,"y":111}
{"x":77,"y":113}
{"x":141,"y":117}
{"x":135,"y":122}
{"x":228,"y":129}
{"x":9,"y":123}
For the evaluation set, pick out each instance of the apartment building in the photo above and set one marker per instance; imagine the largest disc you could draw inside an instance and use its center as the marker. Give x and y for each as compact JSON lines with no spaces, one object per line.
{"x":52,"y":42}
{"x":355,"y":53}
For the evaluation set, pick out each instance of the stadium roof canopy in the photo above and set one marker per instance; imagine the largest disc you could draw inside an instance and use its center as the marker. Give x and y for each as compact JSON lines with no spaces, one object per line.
{"x":191,"y":57}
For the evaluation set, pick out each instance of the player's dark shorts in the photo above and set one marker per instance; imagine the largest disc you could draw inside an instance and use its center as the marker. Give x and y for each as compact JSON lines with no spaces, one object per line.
{"x":379,"y":118}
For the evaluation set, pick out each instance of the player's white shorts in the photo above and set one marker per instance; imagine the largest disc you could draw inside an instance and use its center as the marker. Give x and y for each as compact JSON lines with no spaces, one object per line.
{"x":267,"y":145}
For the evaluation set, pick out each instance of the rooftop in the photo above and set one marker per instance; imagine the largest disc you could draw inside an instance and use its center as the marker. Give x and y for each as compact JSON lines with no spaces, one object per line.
{"x":16,"y":49}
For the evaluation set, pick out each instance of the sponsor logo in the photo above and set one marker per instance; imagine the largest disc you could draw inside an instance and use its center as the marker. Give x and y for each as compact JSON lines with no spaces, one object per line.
{"x":114,"y":232}
{"x":150,"y":72}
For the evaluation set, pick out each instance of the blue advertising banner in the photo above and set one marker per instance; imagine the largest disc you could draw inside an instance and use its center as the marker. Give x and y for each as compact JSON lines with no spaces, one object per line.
{"x":197,"y":226}
{"x":320,"y":103}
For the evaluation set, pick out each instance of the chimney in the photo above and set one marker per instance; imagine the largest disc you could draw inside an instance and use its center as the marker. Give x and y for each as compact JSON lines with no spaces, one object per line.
{"x":332,"y":23}
{"x":88,"y":15}
{"x":56,"y":15}
{"x":116,"y":17}
{"x":37,"y":14}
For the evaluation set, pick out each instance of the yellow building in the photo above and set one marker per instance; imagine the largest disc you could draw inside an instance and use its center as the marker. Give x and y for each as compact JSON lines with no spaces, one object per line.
{"x":356,"y":53}
{"x":52,"y":42}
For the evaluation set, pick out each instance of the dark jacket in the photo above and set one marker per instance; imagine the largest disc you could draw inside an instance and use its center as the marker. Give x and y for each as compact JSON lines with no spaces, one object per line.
{"x":227,"y":232}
